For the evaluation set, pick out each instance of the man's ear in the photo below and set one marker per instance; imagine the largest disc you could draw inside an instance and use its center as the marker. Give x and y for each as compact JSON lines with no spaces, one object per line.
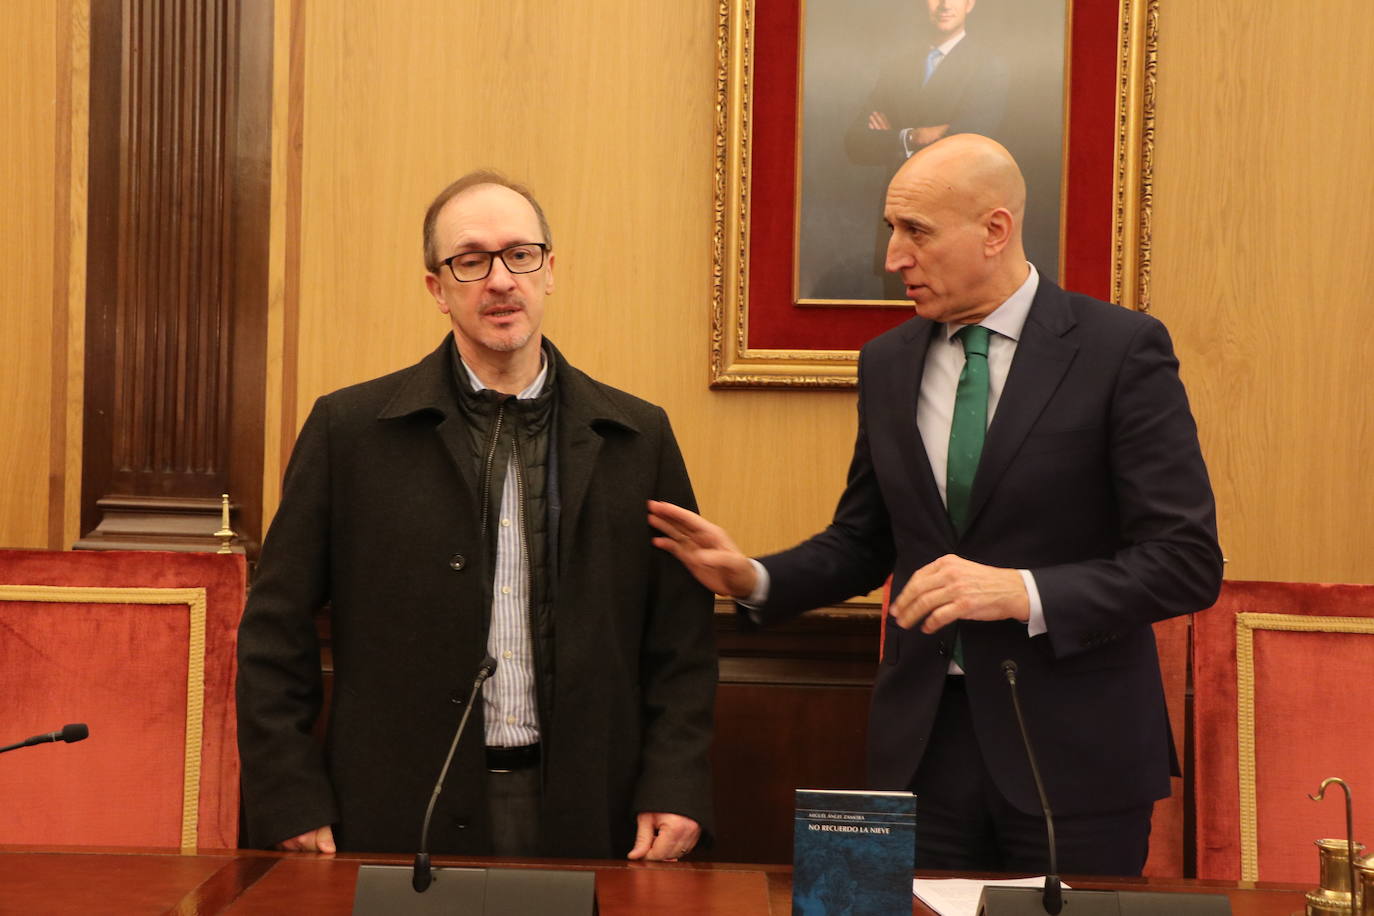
{"x":436,"y":289}
{"x":1000,"y":225}
{"x":548,"y":266}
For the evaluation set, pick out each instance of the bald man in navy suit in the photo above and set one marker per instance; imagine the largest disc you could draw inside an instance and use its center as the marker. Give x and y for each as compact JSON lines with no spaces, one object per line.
{"x":1089,"y":517}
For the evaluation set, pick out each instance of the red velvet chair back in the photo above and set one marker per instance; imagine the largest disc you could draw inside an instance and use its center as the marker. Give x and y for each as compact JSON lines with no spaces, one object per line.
{"x":1167,"y":824}
{"x":1281,"y":700}
{"x":140,"y":646}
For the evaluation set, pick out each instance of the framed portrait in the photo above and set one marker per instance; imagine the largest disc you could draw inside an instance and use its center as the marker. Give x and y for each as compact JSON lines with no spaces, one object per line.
{"x":820,"y":101}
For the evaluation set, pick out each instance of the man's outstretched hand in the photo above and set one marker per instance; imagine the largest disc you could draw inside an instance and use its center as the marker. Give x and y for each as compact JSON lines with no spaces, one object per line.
{"x":704,"y":548}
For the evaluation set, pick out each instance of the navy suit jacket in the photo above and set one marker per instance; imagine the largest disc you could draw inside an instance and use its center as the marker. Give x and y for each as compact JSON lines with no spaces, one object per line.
{"x":1092,"y":478}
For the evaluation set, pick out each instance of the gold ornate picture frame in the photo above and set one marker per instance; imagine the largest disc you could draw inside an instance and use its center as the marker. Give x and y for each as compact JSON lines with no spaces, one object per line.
{"x":1107,"y":177}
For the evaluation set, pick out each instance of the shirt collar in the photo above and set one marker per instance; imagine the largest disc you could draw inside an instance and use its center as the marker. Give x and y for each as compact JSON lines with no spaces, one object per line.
{"x":529,"y":393}
{"x":1010,"y":317}
{"x":948,"y":45}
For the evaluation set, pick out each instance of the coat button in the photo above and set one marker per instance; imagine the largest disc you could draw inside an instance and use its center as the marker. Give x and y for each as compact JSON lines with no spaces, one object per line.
{"x":457,"y":696}
{"x":457,"y":561}
{"x":943,"y":651}
{"x":461,"y":822}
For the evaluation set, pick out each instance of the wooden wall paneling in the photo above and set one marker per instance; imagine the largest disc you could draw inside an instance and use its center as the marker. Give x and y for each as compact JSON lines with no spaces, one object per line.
{"x":770,"y":741}
{"x":1263,"y":227}
{"x":1260,"y":225}
{"x":29,"y":56}
{"x":249,"y":262}
{"x":284,"y":255}
{"x":791,"y":713}
{"x":102,"y":258}
{"x":69,"y":271}
{"x":176,"y":333}
{"x":59,"y":343}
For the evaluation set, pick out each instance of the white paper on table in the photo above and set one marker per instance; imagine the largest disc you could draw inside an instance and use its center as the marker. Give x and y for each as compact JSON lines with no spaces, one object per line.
{"x":959,"y":896}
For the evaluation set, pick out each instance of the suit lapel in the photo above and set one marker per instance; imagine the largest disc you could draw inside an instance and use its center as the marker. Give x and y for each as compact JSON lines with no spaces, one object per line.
{"x":944,"y":83}
{"x":1042,"y":358}
{"x":953,"y":69}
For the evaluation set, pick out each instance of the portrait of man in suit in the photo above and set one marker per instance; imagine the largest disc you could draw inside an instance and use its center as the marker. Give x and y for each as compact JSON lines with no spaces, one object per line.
{"x":1027,"y":469}
{"x":882,"y":79}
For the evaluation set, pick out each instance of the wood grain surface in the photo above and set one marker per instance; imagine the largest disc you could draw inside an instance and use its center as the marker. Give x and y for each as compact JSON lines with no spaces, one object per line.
{"x":1262,"y":225}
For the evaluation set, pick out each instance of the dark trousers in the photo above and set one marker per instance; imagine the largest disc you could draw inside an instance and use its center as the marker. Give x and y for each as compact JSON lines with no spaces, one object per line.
{"x":513,"y":801}
{"x":963,"y":823}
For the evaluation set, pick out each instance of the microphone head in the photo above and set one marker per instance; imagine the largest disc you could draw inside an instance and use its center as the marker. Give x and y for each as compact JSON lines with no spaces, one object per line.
{"x":1009,"y":668}
{"x":486,"y":669}
{"x":77,"y":732}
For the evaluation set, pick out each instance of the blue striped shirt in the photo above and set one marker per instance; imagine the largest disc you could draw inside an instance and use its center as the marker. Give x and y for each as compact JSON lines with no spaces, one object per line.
{"x":510,"y":706}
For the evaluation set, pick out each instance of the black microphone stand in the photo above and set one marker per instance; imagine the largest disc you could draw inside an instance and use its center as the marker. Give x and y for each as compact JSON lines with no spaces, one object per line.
{"x":1025,"y":901}
{"x":1054,"y":896}
{"x":423,"y":876}
{"x":383,"y":890}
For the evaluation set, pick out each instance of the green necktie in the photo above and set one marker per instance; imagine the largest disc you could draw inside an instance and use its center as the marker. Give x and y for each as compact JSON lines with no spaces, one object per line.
{"x":969,"y":424}
{"x":967,"y":428}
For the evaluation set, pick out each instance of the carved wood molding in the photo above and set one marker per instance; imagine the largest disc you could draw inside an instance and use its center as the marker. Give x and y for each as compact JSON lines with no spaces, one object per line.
{"x":176,"y":292}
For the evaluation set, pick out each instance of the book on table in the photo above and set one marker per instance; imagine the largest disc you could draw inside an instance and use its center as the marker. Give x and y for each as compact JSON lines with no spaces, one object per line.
{"x":853,"y":852}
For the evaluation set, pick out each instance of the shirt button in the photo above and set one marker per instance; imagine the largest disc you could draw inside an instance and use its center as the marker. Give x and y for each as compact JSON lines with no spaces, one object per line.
{"x":457,"y":561}
{"x":510,"y":720}
{"x":505,"y":589}
{"x":505,"y":523}
{"x":506,"y":654}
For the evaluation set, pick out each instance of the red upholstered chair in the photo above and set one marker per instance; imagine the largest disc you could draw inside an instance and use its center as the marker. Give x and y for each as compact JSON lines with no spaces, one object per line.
{"x":139,"y":645}
{"x":1281,"y":699}
{"x":1167,"y":826}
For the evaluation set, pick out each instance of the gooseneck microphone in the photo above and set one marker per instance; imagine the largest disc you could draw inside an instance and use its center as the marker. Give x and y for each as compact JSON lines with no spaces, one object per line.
{"x":422,"y":876}
{"x":1028,"y":901}
{"x":68,"y":733}
{"x":1054,"y":897}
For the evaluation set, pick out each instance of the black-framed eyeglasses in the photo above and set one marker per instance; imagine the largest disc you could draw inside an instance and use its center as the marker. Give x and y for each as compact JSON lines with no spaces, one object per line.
{"x":524,"y":258}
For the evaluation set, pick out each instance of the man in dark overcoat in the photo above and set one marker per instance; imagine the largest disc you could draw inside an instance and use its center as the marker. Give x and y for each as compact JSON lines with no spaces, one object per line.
{"x":488,"y":501}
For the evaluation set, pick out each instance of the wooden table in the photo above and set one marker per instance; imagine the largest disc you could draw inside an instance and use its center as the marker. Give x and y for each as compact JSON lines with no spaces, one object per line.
{"x":104,"y":881}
